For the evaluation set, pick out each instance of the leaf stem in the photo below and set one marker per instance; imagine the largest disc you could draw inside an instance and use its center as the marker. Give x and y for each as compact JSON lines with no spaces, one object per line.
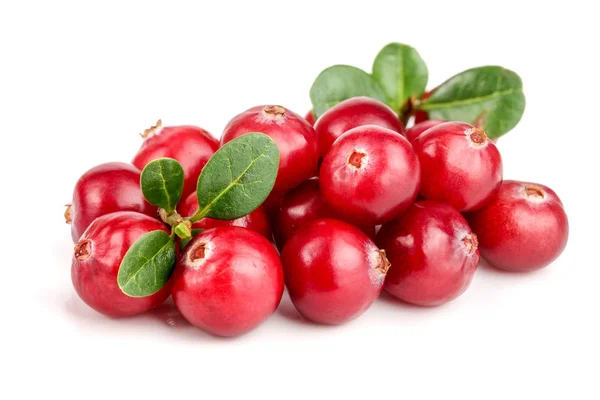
{"x":201,"y":213}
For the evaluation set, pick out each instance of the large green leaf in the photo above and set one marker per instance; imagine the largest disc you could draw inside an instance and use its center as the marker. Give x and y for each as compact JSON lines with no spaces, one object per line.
{"x":162,"y":183}
{"x":401,"y":73}
{"x":491,"y":97}
{"x":238,"y":177}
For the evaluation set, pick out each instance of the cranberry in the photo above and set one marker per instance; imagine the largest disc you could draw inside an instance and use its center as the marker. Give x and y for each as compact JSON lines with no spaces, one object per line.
{"x":370,"y":175}
{"x":421,"y":116}
{"x":417,"y":129}
{"x":310,"y":118}
{"x":102,"y":190}
{"x":228,"y":281}
{"x":300,"y":206}
{"x":351,"y":113}
{"x":333,"y":271}
{"x":257,"y":220}
{"x":433,"y":254}
{"x":190,"y":145}
{"x":294,"y":136}
{"x":97,"y":258}
{"x":459,"y":165}
{"x":524,"y":228}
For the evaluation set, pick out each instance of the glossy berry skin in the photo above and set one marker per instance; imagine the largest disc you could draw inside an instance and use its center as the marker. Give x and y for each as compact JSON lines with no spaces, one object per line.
{"x":190,"y":145}
{"x":370,"y":175}
{"x":104,"y":189}
{"x":433,"y":254}
{"x":333,"y":271}
{"x":257,"y":220}
{"x":97,"y":258}
{"x":523,"y":229}
{"x":417,"y":129}
{"x":301,"y":205}
{"x":459,"y":165}
{"x":294,"y":136}
{"x":228,"y":281}
{"x":351,"y":113}
{"x":310,"y":118}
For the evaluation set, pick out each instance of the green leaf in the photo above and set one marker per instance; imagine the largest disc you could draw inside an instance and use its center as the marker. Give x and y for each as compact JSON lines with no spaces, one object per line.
{"x":147,"y":265}
{"x":490,"y":96}
{"x":341,"y":82}
{"x":184,"y":242}
{"x":238,"y":177}
{"x":401,"y":73}
{"x":162,"y":183}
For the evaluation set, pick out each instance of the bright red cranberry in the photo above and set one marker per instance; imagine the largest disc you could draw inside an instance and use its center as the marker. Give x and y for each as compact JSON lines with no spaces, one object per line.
{"x":301,"y":205}
{"x":523,"y":229}
{"x":310,"y":118}
{"x":228,"y":281}
{"x":102,"y":190}
{"x":433,"y":254}
{"x":421,"y":116}
{"x":294,"y":136}
{"x":351,"y":113}
{"x":370,"y":175}
{"x":97,"y":257}
{"x":415,"y":131}
{"x":257,"y":220}
{"x":333,"y":271}
{"x":190,"y":145}
{"x":459,"y":165}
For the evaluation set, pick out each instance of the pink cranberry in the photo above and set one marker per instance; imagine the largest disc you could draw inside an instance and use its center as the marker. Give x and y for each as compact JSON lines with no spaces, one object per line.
{"x":97,"y":258}
{"x":433,"y":254}
{"x":228,"y":281}
{"x":310,"y":118}
{"x":524,"y":228}
{"x":415,"y":131}
{"x":351,"y":113}
{"x":333,"y":271}
{"x":294,"y":136}
{"x":459,"y":165}
{"x":257,"y":220}
{"x":104,"y":189}
{"x":190,"y":145}
{"x":370,"y":175}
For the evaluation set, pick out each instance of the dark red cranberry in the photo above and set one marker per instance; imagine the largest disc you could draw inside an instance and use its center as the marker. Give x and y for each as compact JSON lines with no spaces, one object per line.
{"x":351,"y":113}
{"x":310,"y":118}
{"x":333,"y":271}
{"x":415,"y":131}
{"x":300,"y":206}
{"x":190,"y":145}
{"x":97,"y":257}
{"x":524,"y":228}
{"x":433,"y":254}
{"x":257,"y":220}
{"x":228,"y":281}
{"x":102,"y":190}
{"x":370,"y":175}
{"x":459,"y":165}
{"x":421,"y":116}
{"x":294,"y":136}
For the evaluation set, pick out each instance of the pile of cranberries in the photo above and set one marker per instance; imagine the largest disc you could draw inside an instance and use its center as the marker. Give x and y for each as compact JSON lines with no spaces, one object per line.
{"x":360,"y":205}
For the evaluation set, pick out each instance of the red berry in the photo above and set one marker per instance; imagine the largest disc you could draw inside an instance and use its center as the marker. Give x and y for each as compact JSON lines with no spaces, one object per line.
{"x":257,"y":220}
{"x":300,"y":206}
{"x":333,"y":271}
{"x":102,"y":190}
{"x":310,"y":118}
{"x":97,"y":258}
{"x":417,"y":129}
{"x":228,"y":281}
{"x":190,"y":145}
{"x":524,"y":228}
{"x":421,"y":116}
{"x":433,"y":254}
{"x":370,"y":175}
{"x":351,"y":113}
{"x":459,"y":165}
{"x":294,"y":136}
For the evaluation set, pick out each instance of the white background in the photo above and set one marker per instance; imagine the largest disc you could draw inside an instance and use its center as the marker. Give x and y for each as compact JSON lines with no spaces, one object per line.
{"x":79,"y":81}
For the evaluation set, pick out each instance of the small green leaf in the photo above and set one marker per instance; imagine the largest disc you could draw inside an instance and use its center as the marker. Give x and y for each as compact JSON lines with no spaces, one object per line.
{"x":238,"y":177}
{"x":184,"y":242}
{"x":162,"y":183}
{"x":341,"y":82}
{"x":490,"y":96}
{"x":147,"y":265}
{"x":401,"y":73}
